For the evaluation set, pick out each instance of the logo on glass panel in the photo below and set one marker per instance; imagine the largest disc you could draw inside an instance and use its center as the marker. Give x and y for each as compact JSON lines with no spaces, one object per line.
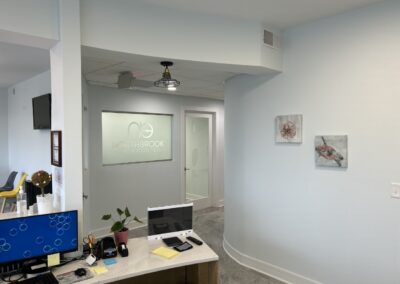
{"x":140,"y":129}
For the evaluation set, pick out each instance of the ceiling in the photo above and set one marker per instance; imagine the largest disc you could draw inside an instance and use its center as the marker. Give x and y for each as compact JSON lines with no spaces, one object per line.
{"x":276,"y":14}
{"x":103,"y":68}
{"x":19,"y":63}
{"x":205,"y":80}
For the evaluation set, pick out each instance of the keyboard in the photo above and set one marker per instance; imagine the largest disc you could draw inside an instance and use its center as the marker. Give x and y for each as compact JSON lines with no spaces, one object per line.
{"x":46,"y":278}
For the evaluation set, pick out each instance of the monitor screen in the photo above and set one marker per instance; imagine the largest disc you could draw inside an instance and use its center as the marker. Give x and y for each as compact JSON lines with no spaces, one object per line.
{"x":170,"y":219}
{"x":36,"y":236}
{"x":42,"y":112}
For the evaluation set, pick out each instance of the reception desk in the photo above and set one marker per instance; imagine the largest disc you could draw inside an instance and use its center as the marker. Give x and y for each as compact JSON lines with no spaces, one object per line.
{"x":198,"y":265}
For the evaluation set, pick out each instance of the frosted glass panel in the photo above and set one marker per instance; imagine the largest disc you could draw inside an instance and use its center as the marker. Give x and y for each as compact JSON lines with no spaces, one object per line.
{"x":197,"y":157}
{"x":136,"y":137}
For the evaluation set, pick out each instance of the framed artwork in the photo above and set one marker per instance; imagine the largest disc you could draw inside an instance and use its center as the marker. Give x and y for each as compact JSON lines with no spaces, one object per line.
{"x":56,"y":148}
{"x":331,"y":151}
{"x":289,"y":128}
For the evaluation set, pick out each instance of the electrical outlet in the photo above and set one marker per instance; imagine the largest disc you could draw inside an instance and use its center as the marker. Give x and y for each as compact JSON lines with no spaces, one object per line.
{"x":395,"y":190}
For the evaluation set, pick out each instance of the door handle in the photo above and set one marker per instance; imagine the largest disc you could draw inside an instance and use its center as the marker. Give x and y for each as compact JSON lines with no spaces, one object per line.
{"x":187,"y":169}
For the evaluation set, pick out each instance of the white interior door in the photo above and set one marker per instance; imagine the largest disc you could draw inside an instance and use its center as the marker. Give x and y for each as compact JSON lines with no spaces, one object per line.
{"x":198,"y":159}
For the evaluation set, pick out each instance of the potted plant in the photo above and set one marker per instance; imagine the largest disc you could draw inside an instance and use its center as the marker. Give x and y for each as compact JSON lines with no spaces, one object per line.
{"x":119,"y":227}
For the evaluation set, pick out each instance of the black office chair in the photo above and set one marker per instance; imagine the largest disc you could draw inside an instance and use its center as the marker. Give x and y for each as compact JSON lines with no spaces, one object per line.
{"x":10,"y":182}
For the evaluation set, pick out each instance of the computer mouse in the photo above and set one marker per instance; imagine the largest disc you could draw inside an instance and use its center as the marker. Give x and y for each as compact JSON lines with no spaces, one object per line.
{"x":80,"y":272}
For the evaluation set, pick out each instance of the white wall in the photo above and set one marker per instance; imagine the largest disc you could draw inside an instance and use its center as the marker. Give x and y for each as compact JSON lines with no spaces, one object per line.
{"x":330,"y":225}
{"x":145,"y":184}
{"x":29,"y":22}
{"x":29,"y":149}
{"x":4,"y":170}
{"x":140,"y":28}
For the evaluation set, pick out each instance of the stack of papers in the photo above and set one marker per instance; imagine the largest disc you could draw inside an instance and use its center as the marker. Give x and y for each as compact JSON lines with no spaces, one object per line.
{"x":98,"y":269}
{"x":165,"y":252}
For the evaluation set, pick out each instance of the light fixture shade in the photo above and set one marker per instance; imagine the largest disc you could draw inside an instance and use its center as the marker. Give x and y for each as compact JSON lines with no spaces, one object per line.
{"x":167,"y":81}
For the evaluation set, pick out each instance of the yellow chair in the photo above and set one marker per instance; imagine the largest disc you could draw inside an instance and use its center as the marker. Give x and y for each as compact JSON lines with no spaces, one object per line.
{"x":12,"y":193}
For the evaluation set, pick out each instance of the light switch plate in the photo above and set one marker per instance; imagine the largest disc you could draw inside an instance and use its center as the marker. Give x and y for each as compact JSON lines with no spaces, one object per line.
{"x":395,"y":190}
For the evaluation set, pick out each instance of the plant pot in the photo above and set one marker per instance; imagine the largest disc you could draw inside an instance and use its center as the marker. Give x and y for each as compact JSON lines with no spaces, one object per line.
{"x":45,"y":204}
{"x":121,"y":237}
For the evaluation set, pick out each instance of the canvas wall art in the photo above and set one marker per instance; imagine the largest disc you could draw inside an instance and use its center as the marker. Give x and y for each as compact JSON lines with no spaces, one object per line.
{"x":288,"y":128}
{"x":331,"y":151}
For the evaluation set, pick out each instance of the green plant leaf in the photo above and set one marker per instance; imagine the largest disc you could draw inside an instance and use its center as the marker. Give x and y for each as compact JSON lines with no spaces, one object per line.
{"x":127,"y":213}
{"x":118,"y":226}
{"x":106,"y":217}
{"x":120,"y":212}
{"x":137,"y":219}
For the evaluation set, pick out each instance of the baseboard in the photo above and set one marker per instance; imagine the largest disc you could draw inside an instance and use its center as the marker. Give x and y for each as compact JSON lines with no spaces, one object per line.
{"x":105,"y":231}
{"x":266,"y":268}
{"x":193,"y":196}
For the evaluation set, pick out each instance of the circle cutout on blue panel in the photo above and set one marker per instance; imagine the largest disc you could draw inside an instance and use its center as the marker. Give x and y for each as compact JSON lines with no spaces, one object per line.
{"x":23,"y":227}
{"x":2,"y":242}
{"x":74,"y":242}
{"x":27,"y":253}
{"x":39,"y":240}
{"x":57,"y":242}
{"x":6,"y":247}
{"x":53,"y":223}
{"x":47,"y":249}
{"x":60,"y":232}
{"x":13,"y":232}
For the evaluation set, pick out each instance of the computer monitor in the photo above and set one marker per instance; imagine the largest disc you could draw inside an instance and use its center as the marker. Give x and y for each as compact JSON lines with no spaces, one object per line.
{"x":33,"y":237}
{"x":170,"y":221}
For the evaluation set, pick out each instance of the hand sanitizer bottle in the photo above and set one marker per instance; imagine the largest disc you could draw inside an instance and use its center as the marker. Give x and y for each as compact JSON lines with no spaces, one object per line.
{"x":21,"y":202}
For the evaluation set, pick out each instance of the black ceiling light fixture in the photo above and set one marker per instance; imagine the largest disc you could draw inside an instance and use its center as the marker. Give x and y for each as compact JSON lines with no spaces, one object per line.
{"x":167,"y":81}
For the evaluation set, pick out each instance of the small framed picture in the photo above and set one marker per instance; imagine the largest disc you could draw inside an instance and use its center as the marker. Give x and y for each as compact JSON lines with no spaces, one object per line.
{"x":289,"y":128}
{"x":56,"y":149}
{"x":331,"y":151}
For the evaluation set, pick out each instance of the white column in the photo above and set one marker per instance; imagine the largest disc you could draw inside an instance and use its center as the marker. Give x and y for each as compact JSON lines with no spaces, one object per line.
{"x":65,"y":58}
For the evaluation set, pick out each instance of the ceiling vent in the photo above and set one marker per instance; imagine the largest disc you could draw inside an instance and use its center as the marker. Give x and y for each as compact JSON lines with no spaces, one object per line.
{"x":269,"y":38}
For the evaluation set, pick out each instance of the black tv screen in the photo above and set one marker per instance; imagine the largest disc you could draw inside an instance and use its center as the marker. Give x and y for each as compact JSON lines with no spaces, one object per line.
{"x":42,"y":112}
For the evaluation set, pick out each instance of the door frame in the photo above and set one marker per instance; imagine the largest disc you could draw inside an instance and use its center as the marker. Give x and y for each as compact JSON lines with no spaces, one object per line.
{"x":213,"y":184}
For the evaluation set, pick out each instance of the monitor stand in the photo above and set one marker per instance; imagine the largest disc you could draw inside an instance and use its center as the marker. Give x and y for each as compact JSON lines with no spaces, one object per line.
{"x":172,"y":242}
{"x":35,"y":266}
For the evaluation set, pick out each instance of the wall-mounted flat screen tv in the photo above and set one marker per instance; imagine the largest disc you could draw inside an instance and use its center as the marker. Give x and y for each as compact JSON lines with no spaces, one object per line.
{"x":42,"y":112}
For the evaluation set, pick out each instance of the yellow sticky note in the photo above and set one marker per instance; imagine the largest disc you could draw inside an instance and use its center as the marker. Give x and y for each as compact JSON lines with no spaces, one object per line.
{"x":98,"y":269}
{"x":165,"y":252}
{"x":53,"y":259}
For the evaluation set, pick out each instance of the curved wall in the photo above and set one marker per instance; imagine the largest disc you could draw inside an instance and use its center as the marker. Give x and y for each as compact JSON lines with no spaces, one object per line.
{"x":283,"y":215}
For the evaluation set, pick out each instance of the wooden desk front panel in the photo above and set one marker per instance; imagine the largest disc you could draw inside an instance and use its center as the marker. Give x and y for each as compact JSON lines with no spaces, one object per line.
{"x":203,"y":273}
